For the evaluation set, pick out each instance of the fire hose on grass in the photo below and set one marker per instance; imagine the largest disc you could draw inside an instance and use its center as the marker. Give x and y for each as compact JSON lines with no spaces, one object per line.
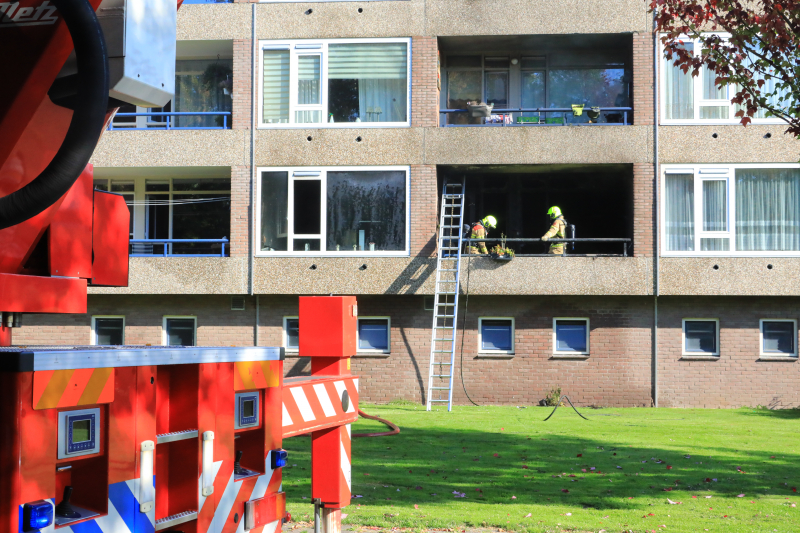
{"x":394,"y":429}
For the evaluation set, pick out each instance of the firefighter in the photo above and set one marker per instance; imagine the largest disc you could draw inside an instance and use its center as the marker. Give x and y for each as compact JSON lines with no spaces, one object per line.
{"x":480,"y":230}
{"x":558,"y":230}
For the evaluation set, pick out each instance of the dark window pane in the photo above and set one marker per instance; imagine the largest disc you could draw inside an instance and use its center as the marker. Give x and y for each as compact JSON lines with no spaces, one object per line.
{"x":101,"y":185}
{"x":571,"y":336}
{"x":590,"y":87}
{"x":366,"y":207}
{"x":497,"y":88}
{"x":125,"y":121}
{"x":701,"y":336}
{"x":496,"y":62}
{"x":343,"y":100}
{"x":203,"y":85}
{"x":274,"y":211}
{"x":180,"y":332}
{"x":778,"y":337}
{"x":464,"y":61}
{"x":109,"y":331}
{"x":305,"y":245}
{"x":209,"y":219}
{"x":122,"y":186}
{"x":202,"y":184}
{"x":496,"y":335}
{"x":533,"y":62}
{"x":533,"y":89}
{"x":463,"y":86}
{"x":373,"y":334}
{"x":293,"y":333}
{"x":307,"y":219}
{"x":156,"y":186}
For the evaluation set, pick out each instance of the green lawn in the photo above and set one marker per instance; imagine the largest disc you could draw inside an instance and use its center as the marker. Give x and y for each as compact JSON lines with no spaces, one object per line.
{"x":731,"y":470}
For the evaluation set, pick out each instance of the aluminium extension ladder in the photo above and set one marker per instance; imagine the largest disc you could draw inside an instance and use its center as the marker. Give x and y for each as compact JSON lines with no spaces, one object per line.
{"x":445,"y":300}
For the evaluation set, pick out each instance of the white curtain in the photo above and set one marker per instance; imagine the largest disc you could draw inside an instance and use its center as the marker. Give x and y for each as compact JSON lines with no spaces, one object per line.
{"x":276,"y":86}
{"x":767,"y":209}
{"x":679,"y":209}
{"x":382,"y":100}
{"x":715,"y":205}
{"x":679,"y":98}
{"x":308,"y":88}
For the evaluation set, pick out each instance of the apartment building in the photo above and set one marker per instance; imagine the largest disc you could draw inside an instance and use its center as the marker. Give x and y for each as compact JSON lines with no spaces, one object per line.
{"x":306,"y":151}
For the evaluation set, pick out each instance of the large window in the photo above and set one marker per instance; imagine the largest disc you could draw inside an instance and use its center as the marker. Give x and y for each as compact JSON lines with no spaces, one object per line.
{"x":175,"y":208}
{"x":701,"y":336}
{"x":179,"y":331}
{"x":334,"y":211}
{"x":731,"y":210}
{"x":779,"y":337}
{"x":331,"y":83}
{"x":108,"y":330}
{"x":495,"y":335}
{"x":697,"y":99}
{"x":571,"y":336}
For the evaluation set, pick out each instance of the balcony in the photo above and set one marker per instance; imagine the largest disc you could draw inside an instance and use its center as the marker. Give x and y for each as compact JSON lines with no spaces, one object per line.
{"x":179,"y":247}
{"x":203,"y":88}
{"x":536,"y":80}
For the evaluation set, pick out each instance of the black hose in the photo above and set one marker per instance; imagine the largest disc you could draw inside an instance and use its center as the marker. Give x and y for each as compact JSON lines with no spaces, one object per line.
{"x":559,"y":403}
{"x":86,"y":124}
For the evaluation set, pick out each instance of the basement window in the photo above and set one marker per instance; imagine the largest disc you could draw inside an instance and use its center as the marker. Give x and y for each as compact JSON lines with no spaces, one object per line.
{"x":496,"y":335}
{"x":373,"y":334}
{"x":108,"y":330}
{"x":571,"y":336}
{"x":337,"y":211}
{"x":701,"y":336}
{"x":180,"y":331}
{"x":291,"y":334}
{"x":779,"y":337}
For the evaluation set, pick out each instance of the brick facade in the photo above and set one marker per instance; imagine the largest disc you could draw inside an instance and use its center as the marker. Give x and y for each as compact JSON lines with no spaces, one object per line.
{"x":242,"y":77}
{"x":643,"y":210}
{"x":737,"y":378}
{"x":423,"y":198}
{"x":643,"y":79}
{"x":240,"y":211}
{"x":424,"y":82}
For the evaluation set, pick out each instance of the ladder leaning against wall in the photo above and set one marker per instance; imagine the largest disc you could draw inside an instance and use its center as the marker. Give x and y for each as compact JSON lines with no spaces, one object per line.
{"x":445,"y":299}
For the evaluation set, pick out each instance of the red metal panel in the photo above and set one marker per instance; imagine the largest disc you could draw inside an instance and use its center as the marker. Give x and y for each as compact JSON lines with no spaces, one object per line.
{"x":121,"y":427}
{"x":110,"y":239}
{"x":11,"y":385}
{"x":265,"y":510}
{"x":38,"y":441}
{"x":38,"y":294}
{"x":328,"y":460}
{"x":330,"y":326}
{"x":71,"y":231}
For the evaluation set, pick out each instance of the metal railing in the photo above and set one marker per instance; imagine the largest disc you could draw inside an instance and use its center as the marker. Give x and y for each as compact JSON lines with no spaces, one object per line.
{"x":506,"y":116}
{"x":167,"y":124}
{"x":146,"y":247}
{"x":625,"y":243}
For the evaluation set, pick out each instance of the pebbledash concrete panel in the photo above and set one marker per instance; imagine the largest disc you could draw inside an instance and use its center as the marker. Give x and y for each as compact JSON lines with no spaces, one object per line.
{"x":339,"y":146}
{"x":520,"y":17}
{"x":732,"y":144}
{"x":734,"y":276}
{"x":214,"y":21}
{"x":319,"y":20}
{"x":173,"y":148}
{"x":387,"y":275}
{"x":183,"y":275}
{"x":538,"y":145}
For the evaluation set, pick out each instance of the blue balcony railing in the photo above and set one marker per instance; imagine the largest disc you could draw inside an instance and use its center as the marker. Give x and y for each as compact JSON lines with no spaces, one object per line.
{"x":184,"y":248}
{"x":165,"y":120}
{"x":544,"y":116}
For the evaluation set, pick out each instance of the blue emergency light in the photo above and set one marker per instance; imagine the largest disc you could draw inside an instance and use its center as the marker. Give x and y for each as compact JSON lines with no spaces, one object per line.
{"x":279,"y":458}
{"x":37,"y":515}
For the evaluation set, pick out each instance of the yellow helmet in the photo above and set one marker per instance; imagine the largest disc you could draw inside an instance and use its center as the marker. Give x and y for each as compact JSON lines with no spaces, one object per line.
{"x":554,"y":212}
{"x":489,"y":222}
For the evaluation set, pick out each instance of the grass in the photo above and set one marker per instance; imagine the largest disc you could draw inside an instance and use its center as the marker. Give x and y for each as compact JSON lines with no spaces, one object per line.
{"x":619,"y":468}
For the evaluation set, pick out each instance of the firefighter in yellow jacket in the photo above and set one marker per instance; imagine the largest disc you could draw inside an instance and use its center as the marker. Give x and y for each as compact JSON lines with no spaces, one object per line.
{"x":480,"y":231}
{"x":557,"y":230}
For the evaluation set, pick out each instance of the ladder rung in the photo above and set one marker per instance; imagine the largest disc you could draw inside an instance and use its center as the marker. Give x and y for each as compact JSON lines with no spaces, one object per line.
{"x":442,"y":340}
{"x":440,"y":388}
{"x":442,"y":364}
{"x":448,"y":270}
{"x":442,"y":351}
{"x":438,"y":400}
{"x":440,"y":375}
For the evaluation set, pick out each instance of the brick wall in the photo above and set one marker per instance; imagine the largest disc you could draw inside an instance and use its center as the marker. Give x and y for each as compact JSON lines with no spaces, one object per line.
{"x":423,"y":197}
{"x":242,"y":74}
{"x":643,"y":78}
{"x":424,"y":88}
{"x":643,"y":213}
{"x":217,"y":325}
{"x":737,"y":378}
{"x":240,"y":210}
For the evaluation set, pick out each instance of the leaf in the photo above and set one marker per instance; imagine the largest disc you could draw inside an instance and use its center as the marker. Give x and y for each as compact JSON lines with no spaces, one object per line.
{"x":496,"y":454}
{"x":416,"y":506}
{"x":579,"y":455}
{"x":669,"y":467}
{"x":527,"y":515}
{"x":513,"y":497}
{"x":672,"y":502}
{"x":740,"y":496}
{"x":565,"y":490}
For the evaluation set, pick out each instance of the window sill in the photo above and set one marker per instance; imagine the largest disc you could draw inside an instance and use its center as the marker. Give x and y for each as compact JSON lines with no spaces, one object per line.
{"x":569,"y":356}
{"x":495,"y":355}
{"x":782,"y":358}
{"x":699,"y":357}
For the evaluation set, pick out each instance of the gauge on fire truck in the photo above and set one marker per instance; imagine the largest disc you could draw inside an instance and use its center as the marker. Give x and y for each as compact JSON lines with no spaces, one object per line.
{"x":246,"y":410}
{"x":78,"y":433}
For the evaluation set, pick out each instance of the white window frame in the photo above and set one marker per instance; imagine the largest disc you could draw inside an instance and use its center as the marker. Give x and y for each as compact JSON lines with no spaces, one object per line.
{"x":683,"y":338}
{"x":93,"y":339}
{"x":323,"y":177}
{"x":285,"y":335}
{"x":300,"y":47}
{"x":388,"y":335}
{"x":164,"y":336}
{"x":556,"y":351}
{"x":481,"y":349}
{"x":698,"y":101}
{"x":703,"y":172}
{"x":761,"y":351}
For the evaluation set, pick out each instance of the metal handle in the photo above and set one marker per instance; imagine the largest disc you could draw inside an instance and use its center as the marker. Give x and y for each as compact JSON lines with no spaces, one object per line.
{"x":208,"y":463}
{"x":147,"y":492}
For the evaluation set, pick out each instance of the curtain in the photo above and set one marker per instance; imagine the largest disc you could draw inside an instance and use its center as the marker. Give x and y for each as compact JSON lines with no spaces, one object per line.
{"x":679,"y":97}
{"x":679,"y":209}
{"x":715,"y":205}
{"x":382,"y":100}
{"x":308,"y":88}
{"x":767,"y":209}
{"x":201,"y":85}
{"x":276,"y":86}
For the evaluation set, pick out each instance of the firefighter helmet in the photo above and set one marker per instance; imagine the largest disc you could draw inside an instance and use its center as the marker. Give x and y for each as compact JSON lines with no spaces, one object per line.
{"x":554,"y":212}
{"x":489,"y":222}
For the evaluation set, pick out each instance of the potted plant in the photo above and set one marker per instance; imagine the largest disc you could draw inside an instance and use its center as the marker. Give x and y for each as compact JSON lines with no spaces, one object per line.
{"x":500,"y":252}
{"x":480,"y":109}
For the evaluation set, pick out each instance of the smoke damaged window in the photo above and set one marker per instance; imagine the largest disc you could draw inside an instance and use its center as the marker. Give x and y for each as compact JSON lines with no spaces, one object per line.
{"x":334,"y":211}
{"x":180,"y":331}
{"x":108,"y":331}
{"x":335,"y":83}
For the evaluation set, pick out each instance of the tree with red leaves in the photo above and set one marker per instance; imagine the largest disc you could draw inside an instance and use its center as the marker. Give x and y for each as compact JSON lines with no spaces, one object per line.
{"x":752,"y":46}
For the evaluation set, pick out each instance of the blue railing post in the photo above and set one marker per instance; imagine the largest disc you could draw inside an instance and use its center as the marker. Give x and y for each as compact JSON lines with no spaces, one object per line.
{"x":168,"y":124}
